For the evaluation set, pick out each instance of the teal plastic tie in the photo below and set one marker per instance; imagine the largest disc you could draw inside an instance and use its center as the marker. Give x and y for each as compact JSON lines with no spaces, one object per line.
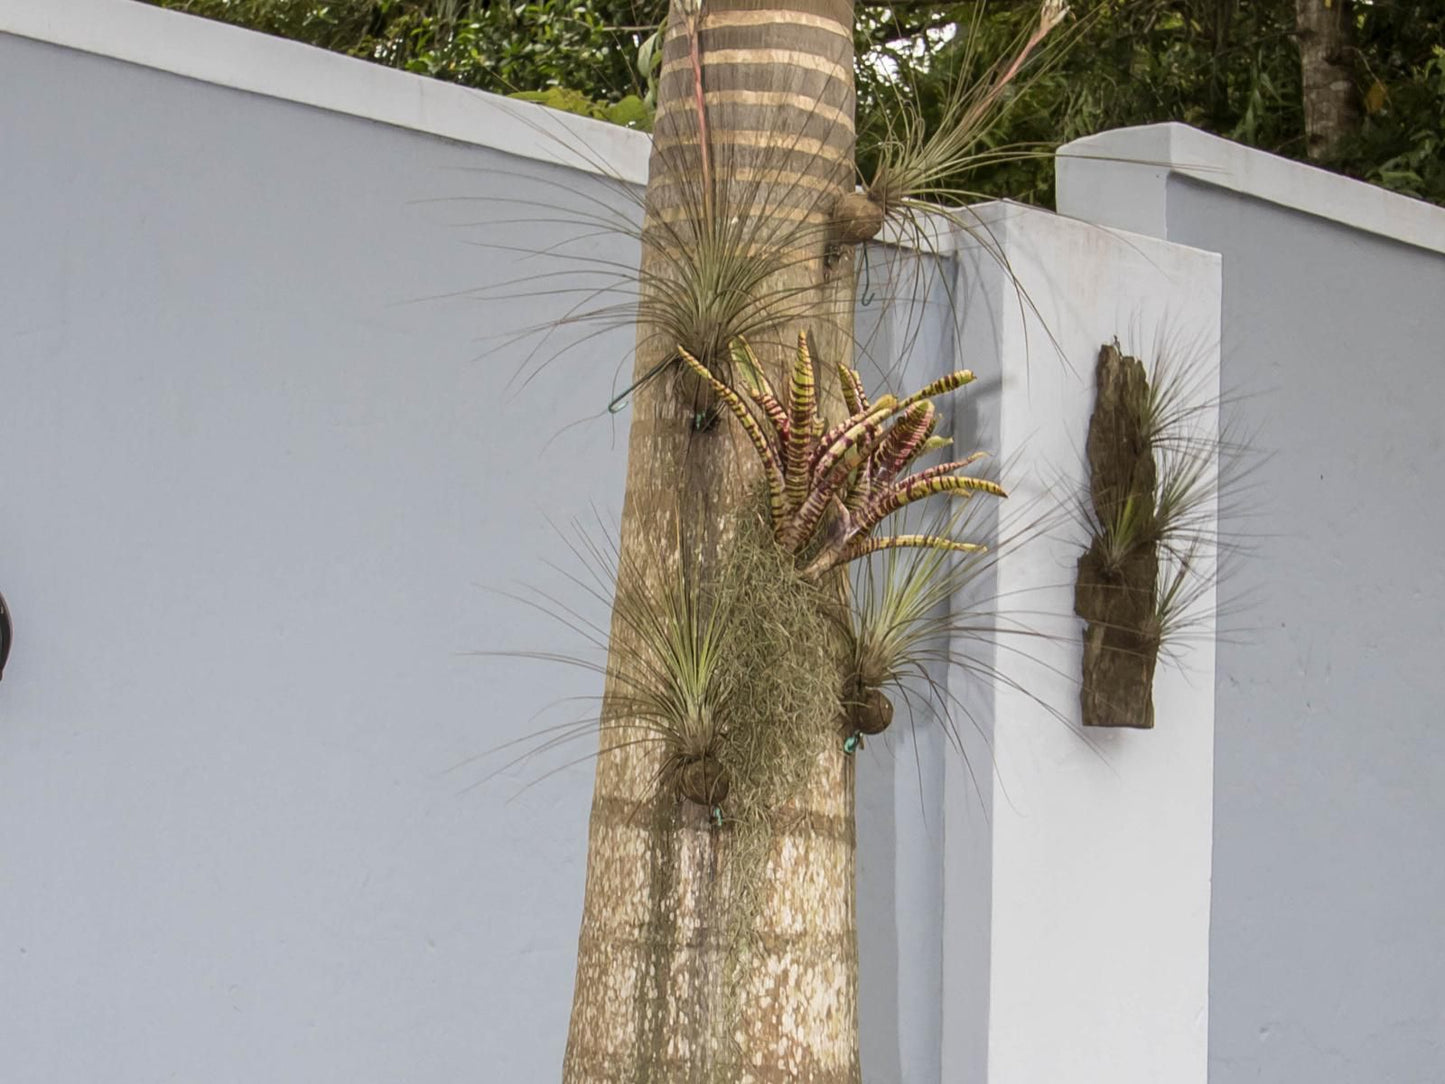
{"x":619,"y":403}
{"x":867,"y":298}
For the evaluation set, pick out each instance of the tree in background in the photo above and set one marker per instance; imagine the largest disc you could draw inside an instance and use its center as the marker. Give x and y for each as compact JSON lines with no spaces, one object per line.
{"x":1326,"y":30}
{"x":1228,"y":67}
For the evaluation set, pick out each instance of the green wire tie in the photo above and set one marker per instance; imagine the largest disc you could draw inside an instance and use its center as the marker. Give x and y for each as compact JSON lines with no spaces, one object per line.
{"x":867,"y":298}
{"x":852,"y":743}
{"x":717,"y":816}
{"x":619,"y":401}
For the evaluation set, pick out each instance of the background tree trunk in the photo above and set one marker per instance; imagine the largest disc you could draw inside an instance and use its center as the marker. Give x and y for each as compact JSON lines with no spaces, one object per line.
{"x":648,"y":1003}
{"x":1331,"y":101}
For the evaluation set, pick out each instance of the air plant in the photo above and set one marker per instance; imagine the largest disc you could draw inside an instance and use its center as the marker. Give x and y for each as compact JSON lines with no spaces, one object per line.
{"x":665,"y":667}
{"x":729,"y":242}
{"x":726,"y":240}
{"x":672,"y":680}
{"x":917,"y":167}
{"x":898,"y":622}
{"x":1150,"y":512}
{"x":711,"y":283}
{"x":829,"y":487}
{"x":732,"y":675}
{"x":917,"y":615}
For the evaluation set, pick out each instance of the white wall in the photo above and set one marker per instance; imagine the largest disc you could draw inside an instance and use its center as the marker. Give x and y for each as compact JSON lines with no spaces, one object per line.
{"x":264,"y":471}
{"x":265,"y":452}
{"x":1329,"y":868}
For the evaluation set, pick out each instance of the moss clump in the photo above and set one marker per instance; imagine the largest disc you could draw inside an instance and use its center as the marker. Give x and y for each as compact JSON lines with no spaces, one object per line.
{"x":738,"y":677}
{"x":781,"y":665}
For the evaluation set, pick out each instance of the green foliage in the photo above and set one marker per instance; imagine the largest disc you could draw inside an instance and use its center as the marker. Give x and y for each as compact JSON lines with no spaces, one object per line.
{"x":1402,"y":143}
{"x":1225,"y":67}
{"x":917,"y":162}
{"x":338,"y":25}
{"x":631,"y":111}
{"x":589,"y":48}
{"x":1228,"y":67}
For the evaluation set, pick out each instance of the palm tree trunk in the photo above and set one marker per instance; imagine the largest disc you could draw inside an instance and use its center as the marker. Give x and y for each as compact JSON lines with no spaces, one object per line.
{"x":648,"y":1003}
{"x":1331,"y":103}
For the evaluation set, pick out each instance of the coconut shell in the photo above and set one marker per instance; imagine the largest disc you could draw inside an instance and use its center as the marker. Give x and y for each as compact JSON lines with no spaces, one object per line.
{"x":704,"y":781}
{"x":856,"y":219}
{"x":872,"y":714}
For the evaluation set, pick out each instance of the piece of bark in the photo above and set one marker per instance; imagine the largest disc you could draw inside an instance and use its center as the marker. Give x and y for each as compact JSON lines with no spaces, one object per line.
{"x":1116,"y":592}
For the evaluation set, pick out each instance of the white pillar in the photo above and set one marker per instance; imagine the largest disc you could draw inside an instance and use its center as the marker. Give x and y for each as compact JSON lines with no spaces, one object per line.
{"x":1077,"y":863}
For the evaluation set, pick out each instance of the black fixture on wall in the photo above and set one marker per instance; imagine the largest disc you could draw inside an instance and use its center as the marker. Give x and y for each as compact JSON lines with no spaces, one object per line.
{"x":7,"y":634}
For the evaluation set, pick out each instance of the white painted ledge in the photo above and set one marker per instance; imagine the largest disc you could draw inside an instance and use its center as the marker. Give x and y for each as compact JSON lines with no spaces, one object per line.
{"x":1119,"y":178}
{"x":230,"y":56}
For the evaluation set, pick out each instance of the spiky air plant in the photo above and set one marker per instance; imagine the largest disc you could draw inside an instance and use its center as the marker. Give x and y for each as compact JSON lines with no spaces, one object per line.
{"x":732,"y":674}
{"x":898,"y":622}
{"x":918,"y":617}
{"x":1151,"y":512}
{"x":666,"y":675}
{"x":673,"y":682}
{"x":830,"y":486}
{"x":704,"y":280}
{"x":717,"y":240}
{"x":919,"y":168}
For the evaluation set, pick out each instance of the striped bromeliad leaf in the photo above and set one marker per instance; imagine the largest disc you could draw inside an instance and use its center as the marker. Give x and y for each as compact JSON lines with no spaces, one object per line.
{"x":829,"y":487}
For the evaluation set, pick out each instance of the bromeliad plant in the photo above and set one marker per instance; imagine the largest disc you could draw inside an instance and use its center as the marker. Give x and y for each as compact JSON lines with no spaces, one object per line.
{"x":829,"y":487}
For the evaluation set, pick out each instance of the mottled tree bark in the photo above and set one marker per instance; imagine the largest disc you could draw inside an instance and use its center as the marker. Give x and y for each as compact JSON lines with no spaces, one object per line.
{"x":1326,"y":31}
{"x":648,"y":1003}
